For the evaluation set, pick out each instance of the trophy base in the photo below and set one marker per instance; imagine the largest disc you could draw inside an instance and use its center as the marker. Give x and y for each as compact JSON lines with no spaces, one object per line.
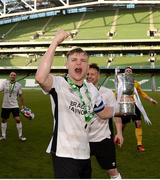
{"x":127,"y":109}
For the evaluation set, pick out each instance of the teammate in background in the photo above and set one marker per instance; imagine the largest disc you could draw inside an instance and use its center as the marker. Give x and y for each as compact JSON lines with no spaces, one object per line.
{"x":76,"y":103}
{"x":137,"y":118}
{"x":102,"y":143}
{"x":12,"y":93}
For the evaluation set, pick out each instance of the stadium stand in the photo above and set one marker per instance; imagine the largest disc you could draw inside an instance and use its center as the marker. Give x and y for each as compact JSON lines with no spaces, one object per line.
{"x":120,"y":29}
{"x":117,"y":27}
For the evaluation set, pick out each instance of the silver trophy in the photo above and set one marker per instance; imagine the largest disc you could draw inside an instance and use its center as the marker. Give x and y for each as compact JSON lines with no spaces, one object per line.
{"x":126,"y":93}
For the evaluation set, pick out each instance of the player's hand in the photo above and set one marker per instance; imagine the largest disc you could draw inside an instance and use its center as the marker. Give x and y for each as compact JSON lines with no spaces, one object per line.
{"x":153,"y":101}
{"x":118,"y":139}
{"x":60,"y":36}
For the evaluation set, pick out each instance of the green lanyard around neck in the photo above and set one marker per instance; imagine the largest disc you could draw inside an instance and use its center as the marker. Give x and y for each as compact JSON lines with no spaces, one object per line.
{"x":87,"y":115}
{"x":11,"y":88}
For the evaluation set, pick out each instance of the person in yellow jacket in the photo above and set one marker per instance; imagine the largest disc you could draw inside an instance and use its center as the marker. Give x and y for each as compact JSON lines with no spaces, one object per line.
{"x":137,"y":118}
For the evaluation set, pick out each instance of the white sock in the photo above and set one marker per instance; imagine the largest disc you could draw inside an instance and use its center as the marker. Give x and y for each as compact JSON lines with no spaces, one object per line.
{"x":19,"y":129}
{"x":3,"y":129}
{"x":118,"y":176}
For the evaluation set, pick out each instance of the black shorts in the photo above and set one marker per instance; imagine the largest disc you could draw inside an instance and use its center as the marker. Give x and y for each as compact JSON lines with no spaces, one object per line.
{"x":127,"y":119}
{"x":5,"y":113}
{"x":68,"y":168}
{"x":105,"y":153}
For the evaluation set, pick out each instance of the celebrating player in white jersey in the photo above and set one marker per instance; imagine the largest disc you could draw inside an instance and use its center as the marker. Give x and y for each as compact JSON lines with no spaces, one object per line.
{"x":12,"y":92}
{"x":76,"y":102}
{"x":100,"y":133}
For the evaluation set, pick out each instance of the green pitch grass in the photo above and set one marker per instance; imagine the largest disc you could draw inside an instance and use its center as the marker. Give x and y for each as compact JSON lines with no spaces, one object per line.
{"x":29,"y":159}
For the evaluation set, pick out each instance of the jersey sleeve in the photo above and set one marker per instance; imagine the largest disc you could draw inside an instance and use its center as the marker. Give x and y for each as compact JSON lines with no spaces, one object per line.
{"x":57,"y":82}
{"x":99,"y":106}
{"x":98,"y":103}
{"x":109,"y":98}
{"x":55,"y":85}
{"x":139,"y":90}
{"x":2,"y":85}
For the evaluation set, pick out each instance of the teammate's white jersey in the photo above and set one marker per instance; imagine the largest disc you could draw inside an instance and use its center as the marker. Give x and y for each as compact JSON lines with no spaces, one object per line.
{"x":11,"y":92}
{"x":99,"y":128}
{"x":70,"y":137}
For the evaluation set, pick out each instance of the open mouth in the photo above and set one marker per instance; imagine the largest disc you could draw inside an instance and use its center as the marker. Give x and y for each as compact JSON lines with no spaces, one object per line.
{"x":89,"y":79}
{"x":78,"y":70}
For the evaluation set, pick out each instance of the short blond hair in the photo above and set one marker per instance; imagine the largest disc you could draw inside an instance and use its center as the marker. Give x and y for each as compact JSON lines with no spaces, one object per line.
{"x":76,"y":50}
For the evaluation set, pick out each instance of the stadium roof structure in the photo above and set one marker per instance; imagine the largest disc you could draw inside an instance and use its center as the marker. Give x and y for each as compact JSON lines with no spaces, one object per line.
{"x":9,"y":8}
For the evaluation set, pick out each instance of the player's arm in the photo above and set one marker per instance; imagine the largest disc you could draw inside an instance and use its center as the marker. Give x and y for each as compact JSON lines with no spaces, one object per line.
{"x":118,"y":139}
{"x":21,"y":101}
{"x":145,"y":95}
{"x":43,"y":76}
{"x":102,"y":109}
{"x":153,"y":101}
{"x":106,"y":113}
